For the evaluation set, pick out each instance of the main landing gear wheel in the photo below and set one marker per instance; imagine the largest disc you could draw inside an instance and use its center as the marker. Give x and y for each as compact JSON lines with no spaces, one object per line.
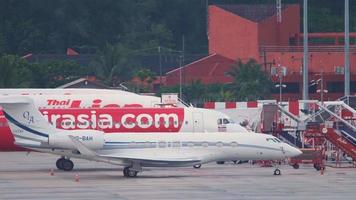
{"x":277,"y":172}
{"x":59,"y":164}
{"x":65,"y":164}
{"x":129,"y":173}
{"x":295,"y":166}
{"x":198,"y":166}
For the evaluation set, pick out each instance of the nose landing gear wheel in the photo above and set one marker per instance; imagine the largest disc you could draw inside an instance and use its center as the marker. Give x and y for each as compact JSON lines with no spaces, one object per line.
{"x":277,"y":172}
{"x":197,"y":166}
{"x":129,"y":173}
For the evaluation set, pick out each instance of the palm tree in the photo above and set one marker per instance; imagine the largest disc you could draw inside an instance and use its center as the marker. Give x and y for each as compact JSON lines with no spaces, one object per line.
{"x":249,"y":81}
{"x":114,"y":64}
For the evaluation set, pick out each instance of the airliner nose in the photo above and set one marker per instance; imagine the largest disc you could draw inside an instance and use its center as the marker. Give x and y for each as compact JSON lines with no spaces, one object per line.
{"x":296,"y":152}
{"x":292,"y":151}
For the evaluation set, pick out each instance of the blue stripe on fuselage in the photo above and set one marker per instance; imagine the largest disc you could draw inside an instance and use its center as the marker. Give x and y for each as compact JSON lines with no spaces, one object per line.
{"x":18,"y":124}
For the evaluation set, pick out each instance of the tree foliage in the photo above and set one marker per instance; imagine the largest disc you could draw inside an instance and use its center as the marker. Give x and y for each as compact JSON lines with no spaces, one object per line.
{"x":14,"y":72}
{"x":55,"y":73}
{"x":249,"y":81}
{"x":114,"y":64}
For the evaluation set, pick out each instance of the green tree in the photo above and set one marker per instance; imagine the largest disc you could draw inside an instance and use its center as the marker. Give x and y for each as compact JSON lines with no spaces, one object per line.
{"x":194,"y":92}
{"x":14,"y":72}
{"x":55,"y":73}
{"x":114,"y":64}
{"x":249,"y":81}
{"x":145,"y":75}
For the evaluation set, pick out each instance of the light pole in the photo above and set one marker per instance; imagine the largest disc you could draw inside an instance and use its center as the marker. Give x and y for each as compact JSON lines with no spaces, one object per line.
{"x":281,"y":73}
{"x":322,"y":90}
{"x":180,"y":77}
{"x":280,"y":85}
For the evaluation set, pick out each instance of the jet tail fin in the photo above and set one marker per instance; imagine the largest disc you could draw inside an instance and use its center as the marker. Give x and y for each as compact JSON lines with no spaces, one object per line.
{"x":25,"y":120}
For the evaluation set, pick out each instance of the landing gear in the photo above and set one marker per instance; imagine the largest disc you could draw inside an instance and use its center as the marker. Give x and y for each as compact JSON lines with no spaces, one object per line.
{"x":198,"y":166}
{"x":64,"y":164}
{"x":128,"y":172}
{"x":277,"y":172}
{"x":295,"y":166}
{"x":317,"y":167}
{"x":220,"y":162}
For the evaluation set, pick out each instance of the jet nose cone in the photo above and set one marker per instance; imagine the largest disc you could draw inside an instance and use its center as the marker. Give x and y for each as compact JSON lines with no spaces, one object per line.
{"x":294,"y":151}
{"x":297,"y":152}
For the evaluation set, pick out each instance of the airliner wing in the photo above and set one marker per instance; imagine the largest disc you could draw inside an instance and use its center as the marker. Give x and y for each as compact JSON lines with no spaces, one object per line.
{"x":128,"y":159}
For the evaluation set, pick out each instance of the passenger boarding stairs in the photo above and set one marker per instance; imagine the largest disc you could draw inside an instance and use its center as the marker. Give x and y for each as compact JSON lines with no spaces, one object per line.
{"x":290,"y":134}
{"x":338,"y":140}
{"x":327,"y":112}
{"x":342,"y":133}
{"x":292,"y":139}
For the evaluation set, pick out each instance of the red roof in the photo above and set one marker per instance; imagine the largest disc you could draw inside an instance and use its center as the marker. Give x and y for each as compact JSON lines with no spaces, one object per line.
{"x":210,"y":69}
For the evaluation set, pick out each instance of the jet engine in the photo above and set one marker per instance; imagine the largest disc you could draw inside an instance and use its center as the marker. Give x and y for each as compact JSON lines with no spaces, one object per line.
{"x":92,"y":139}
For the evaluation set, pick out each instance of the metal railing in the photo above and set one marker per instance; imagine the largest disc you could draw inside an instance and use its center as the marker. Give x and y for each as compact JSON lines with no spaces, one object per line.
{"x":311,"y":48}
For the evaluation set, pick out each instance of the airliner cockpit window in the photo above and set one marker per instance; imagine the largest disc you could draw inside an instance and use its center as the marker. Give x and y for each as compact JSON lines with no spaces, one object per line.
{"x":279,"y":141}
{"x":226,"y":121}
{"x":270,"y":140}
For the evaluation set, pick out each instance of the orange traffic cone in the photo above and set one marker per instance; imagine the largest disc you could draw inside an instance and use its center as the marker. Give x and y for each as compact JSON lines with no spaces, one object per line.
{"x":76,"y":178}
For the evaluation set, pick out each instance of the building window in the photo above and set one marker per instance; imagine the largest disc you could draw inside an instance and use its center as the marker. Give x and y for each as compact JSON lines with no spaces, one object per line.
{"x":291,"y":87}
{"x":313,"y":88}
{"x":335,"y":87}
{"x":353,"y":86}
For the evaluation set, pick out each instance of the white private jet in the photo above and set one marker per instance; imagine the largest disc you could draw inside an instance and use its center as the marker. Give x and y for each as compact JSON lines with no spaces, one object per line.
{"x":136,"y":150}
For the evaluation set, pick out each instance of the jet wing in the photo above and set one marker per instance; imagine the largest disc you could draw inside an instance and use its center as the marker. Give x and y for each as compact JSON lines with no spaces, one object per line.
{"x":117,"y":156}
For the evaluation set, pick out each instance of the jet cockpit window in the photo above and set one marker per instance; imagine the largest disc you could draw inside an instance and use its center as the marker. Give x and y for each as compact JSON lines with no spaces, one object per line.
{"x":224,"y":121}
{"x":270,"y":140}
{"x":273,"y":140}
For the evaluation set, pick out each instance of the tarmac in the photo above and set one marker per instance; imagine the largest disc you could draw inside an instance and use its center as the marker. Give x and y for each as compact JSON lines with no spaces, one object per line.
{"x":25,"y":176}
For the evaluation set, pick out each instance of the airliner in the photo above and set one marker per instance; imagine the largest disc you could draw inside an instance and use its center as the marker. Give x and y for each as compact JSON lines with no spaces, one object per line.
{"x":134,"y":151}
{"x":116,"y":112}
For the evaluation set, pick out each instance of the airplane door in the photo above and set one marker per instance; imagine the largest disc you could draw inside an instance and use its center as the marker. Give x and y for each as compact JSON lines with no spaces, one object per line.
{"x":198,"y":124}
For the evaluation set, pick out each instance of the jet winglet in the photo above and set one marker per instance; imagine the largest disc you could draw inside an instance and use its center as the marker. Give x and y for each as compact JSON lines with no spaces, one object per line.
{"x":85,"y":151}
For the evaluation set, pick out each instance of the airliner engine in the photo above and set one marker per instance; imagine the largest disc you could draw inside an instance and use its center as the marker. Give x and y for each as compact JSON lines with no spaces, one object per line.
{"x":92,"y":139}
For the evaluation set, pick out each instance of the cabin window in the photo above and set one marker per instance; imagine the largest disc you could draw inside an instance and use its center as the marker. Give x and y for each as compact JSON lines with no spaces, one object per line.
{"x":176,"y":144}
{"x":148,"y":144}
{"x":132,"y":144}
{"x":162,"y":144}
